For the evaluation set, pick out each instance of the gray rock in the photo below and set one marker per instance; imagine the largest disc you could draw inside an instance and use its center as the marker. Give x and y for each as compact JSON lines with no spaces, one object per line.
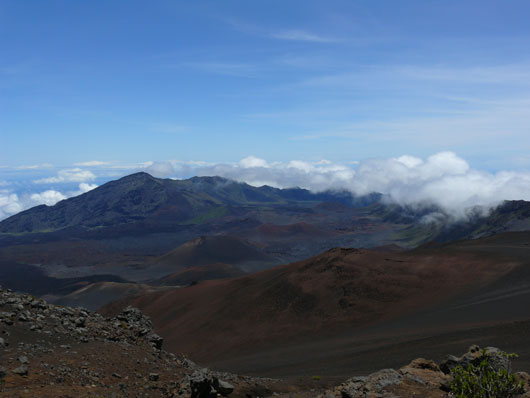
{"x":2,"y":372}
{"x":372,"y":385}
{"x":23,"y":359}
{"x":222,"y":387}
{"x":154,"y":376}
{"x":22,"y":370}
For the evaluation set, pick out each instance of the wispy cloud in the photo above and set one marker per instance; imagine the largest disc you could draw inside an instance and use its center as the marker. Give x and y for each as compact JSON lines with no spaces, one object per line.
{"x":407,"y":77}
{"x":485,"y":123}
{"x":279,"y":34}
{"x":301,"y":35}
{"x":92,"y":163}
{"x":495,"y":74}
{"x":39,"y":166}
{"x":223,"y":68}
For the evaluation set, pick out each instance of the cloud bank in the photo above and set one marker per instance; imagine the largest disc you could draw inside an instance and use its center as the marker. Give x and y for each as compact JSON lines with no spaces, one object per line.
{"x":68,"y":175}
{"x":443,"y":179}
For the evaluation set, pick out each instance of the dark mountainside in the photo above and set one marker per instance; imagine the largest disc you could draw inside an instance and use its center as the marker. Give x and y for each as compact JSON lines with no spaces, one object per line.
{"x":160,"y":202}
{"x":126,"y":222}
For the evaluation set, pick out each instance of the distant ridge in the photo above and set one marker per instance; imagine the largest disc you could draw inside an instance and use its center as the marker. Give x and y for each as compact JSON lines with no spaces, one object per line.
{"x":141,"y":197}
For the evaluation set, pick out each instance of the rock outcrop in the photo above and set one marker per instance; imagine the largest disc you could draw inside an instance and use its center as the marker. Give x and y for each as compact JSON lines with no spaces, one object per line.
{"x":420,"y":378}
{"x":49,"y":351}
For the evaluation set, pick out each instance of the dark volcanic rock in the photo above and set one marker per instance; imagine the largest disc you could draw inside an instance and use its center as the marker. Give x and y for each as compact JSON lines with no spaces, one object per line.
{"x":156,"y":341}
{"x":205,"y":385}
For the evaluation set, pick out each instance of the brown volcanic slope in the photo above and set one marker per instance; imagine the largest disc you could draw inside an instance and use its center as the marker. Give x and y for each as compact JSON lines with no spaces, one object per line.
{"x":314,"y":315}
{"x":95,"y":295}
{"x":207,"y":250}
{"x":200,"y":273}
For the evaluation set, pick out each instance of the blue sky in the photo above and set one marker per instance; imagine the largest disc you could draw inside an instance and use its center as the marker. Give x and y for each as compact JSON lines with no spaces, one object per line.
{"x":129,"y":82}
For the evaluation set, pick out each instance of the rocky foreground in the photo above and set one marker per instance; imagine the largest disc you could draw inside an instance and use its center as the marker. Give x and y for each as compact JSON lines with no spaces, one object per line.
{"x":53,"y":351}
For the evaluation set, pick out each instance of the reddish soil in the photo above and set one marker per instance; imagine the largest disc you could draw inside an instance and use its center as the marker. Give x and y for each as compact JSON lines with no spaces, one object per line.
{"x":200,"y":273}
{"x":207,"y":250}
{"x":305,"y":316}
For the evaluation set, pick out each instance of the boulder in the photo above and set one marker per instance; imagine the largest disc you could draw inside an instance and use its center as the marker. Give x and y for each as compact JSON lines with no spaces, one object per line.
{"x":204,"y":385}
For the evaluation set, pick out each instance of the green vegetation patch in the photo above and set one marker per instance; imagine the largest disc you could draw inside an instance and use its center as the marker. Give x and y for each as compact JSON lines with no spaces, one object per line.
{"x":484,"y":380}
{"x":209,"y":215}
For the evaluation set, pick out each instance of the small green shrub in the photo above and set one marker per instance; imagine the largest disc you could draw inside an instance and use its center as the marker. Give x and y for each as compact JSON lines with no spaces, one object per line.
{"x":483,"y":381}
{"x":316,"y":378}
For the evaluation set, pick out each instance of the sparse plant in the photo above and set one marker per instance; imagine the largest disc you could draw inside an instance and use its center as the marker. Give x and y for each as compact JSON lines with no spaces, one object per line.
{"x":484,"y":381}
{"x":316,"y":378}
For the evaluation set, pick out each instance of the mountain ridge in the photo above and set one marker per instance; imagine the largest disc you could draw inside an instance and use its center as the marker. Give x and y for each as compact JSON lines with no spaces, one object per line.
{"x":141,"y":197}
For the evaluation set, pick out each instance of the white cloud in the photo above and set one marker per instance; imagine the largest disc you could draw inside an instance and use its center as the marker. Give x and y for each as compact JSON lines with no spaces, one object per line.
{"x":255,"y":171}
{"x":68,"y":175}
{"x":84,"y":187}
{"x":160,"y":169}
{"x":9,"y":204}
{"x":12,"y":203}
{"x":443,"y":179}
{"x":252,"y":161}
{"x":49,"y":197}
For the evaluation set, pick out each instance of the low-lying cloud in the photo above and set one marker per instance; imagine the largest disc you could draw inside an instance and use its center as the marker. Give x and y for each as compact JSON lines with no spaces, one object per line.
{"x":160,"y":169}
{"x":68,"y":175}
{"x":12,"y":203}
{"x":443,"y":179}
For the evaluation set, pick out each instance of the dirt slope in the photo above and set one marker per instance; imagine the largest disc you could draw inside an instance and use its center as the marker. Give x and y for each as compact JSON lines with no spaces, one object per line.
{"x":313,"y":310}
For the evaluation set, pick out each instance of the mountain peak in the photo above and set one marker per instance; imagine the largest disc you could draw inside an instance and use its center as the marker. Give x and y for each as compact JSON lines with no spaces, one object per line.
{"x":141,"y":175}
